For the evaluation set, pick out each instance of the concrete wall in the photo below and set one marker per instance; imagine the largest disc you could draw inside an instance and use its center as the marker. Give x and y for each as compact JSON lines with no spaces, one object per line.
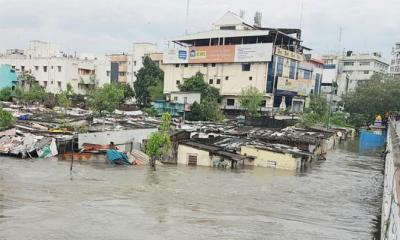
{"x":7,"y":76}
{"x":265,"y":158}
{"x":179,"y":97}
{"x":203,"y":157}
{"x":390,"y":223}
{"x":118,"y":137}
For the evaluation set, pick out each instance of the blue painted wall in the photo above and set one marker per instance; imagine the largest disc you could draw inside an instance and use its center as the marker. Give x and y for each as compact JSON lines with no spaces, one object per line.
{"x":8,"y":76}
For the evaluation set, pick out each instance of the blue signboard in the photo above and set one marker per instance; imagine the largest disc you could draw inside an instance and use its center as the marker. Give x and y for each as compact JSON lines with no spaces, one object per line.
{"x":182,"y":54}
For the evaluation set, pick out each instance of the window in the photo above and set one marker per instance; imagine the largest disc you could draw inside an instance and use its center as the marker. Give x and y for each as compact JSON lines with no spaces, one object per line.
{"x":227,"y":78}
{"x":176,"y":65}
{"x":279,"y":66}
{"x":36,"y":68}
{"x":122,"y":74}
{"x":366,"y":72}
{"x":59,"y":84}
{"x":230,"y":102}
{"x":250,"y":78}
{"x":45,"y":83}
{"x":263,"y":103}
{"x":44,"y":68}
{"x":211,"y":81}
{"x":186,"y":65}
{"x":307,"y":75}
{"x":364,"y":63}
{"x":108,"y":73}
{"x":218,"y":81}
{"x":52,"y":67}
{"x":184,"y":99}
{"x":13,"y":67}
{"x":59,"y":68}
{"x":348,"y":63}
{"x":134,"y":63}
{"x":246,"y":67}
{"x":178,"y":82}
{"x":192,"y":160}
{"x":292,"y":69}
{"x":22,"y":68}
{"x":205,"y":64}
{"x":213,"y":64}
{"x":175,"y":98}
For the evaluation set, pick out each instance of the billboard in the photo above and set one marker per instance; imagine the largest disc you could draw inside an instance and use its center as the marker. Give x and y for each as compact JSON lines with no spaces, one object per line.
{"x":176,"y":55}
{"x":305,"y":86}
{"x":220,"y":54}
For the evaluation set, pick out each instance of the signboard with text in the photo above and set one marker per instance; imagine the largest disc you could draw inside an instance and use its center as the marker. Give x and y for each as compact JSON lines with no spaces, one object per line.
{"x":220,"y":54}
{"x":287,"y":84}
{"x":288,"y":54}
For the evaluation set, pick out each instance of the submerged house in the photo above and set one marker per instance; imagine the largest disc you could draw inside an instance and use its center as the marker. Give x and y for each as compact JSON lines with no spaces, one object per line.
{"x":199,"y":154}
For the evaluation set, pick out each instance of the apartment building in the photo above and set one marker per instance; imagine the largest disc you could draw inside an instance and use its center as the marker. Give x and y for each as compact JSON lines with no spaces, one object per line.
{"x":350,"y":69}
{"x":54,"y":70}
{"x":236,"y":55}
{"x":395,"y":63}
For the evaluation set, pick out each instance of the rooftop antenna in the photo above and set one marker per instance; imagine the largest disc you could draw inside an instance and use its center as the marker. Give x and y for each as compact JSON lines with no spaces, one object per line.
{"x":241,"y":14}
{"x":187,"y":16}
{"x":301,"y":14}
{"x":257,"y":19}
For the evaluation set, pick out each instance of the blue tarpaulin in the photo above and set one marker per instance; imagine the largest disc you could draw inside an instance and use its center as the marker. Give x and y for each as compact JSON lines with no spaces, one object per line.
{"x":116,"y":157}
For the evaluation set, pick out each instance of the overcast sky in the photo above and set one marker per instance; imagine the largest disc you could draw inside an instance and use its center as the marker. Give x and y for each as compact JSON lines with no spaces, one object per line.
{"x":107,"y":26}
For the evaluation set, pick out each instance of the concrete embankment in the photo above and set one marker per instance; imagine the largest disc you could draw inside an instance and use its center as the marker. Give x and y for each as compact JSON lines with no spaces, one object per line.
{"x":391,"y":193}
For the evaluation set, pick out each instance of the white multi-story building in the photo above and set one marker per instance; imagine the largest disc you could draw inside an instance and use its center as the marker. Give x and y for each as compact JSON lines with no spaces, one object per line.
{"x":54,"y":70}
{"x":395,"y":63}
{"x":350,"y":69}
{"x":237,"y":55}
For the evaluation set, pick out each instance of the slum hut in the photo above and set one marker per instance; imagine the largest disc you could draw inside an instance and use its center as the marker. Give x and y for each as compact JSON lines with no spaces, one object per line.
{"x":198,"y":154}
{"x":277,"y":156}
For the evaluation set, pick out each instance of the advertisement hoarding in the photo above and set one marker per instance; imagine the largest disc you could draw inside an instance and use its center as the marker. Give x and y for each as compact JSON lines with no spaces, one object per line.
{"x":287,"y":84}
{"x":288,"y":54}
{"x":220,"y":54}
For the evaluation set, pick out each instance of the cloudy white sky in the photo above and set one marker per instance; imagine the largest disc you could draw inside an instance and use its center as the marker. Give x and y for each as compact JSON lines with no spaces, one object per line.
{"x":113,"y":25}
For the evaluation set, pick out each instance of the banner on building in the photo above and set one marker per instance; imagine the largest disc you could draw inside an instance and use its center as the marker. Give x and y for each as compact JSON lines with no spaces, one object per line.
{"x":305,"y":86}
{"x":287,"y":84}
{"x":288,"y":54}
{"x":220,"y":54}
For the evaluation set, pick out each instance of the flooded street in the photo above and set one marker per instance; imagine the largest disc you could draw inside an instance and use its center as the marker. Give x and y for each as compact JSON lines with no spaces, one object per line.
{"x":334,"y":199}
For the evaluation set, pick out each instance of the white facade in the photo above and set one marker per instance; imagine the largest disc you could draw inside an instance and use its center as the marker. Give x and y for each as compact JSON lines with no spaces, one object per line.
{"x":53,"y":69}
{"x":139,"y":51}
{"x":351,"y":69}
{"x":395,"y":63}
{"x":185,"y":97}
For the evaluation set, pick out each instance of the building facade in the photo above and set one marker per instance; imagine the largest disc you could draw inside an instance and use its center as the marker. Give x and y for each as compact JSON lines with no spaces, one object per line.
{"x":8,"y":76}
{"x":236,"y":55}
{"x":395,"y":63}
{"x":54,"y":70}
{"x":350,"y":69}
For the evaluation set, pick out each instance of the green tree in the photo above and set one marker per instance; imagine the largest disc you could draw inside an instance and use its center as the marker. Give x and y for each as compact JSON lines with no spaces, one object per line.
{"x":208,"y":108}
{"x":6,"y":119}
{"x":128,"y":91}
{"x":251,"y":99}
{"x":379,"y":95}
{"x":106,"y":98}
{"x":159,"y":143}
{"x":63,"y":100}
{"x":34,"y":94}
{"x":149,"y":75}
{"x":156,"y":91}
{"x":6,"y":94}
{"x":29,"y":79}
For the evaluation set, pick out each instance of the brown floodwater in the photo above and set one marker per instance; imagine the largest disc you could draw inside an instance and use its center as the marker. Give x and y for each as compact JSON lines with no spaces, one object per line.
{"x":334,"y":199}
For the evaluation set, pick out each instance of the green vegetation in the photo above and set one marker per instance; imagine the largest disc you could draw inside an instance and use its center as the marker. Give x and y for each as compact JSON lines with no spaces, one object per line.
{"x":208,"y":109}
{"x":35,"y":93}
{"x":6,"y":119}
{"x":148,"y":77}
{"x":29,"y":79}
{"x":6,"y":94}
{"x":379,"y":95}
{"x":159,"y":143}
{"x":320,"y":114}
{"x":106,"y":98}
{"x":251,"y":99}
{"x":63,"y":100}
{"x":128,"y":91}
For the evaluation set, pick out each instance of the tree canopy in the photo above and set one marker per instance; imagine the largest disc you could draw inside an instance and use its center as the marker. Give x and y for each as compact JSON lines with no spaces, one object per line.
{"x":379,"y":95}
{"x":106,"y":98}
{"x":35,"y":93}
{"x":251,"y":99}
{"x":6,"y":94}
{"x":159,"y":143}
{"x":148,"y":76}
{"x":208,"y":109}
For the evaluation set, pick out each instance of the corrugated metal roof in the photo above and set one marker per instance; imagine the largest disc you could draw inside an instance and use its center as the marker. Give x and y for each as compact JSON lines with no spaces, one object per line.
{"x":221,"y":34}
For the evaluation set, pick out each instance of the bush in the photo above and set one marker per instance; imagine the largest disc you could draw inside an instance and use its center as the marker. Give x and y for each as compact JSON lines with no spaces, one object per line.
{"x":6,"y":119}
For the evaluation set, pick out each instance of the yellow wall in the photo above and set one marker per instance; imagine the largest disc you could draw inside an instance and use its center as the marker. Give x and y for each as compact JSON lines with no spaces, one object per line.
{"x":203,"y":157}
{"x":265,"y":158}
